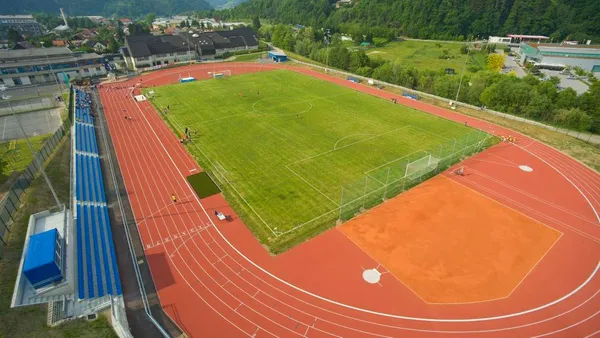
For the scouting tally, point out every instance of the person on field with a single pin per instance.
(173, 198)
(460, 171)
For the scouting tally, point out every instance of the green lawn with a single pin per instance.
(425, 55)
(284, 149)
(20, 157)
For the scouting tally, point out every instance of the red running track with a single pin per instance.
(215, 280)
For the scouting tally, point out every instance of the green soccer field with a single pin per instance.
(294, 154)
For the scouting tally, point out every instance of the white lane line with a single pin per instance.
(516, 314)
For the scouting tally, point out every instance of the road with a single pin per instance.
(35, 123)
(511, 64)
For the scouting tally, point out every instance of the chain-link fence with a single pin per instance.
(27, 105)
(402, 174)
(11, 201)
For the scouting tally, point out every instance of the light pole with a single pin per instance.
(327, 42)
(50, 66)
(36, 159)
(463, 73)
(187, 36)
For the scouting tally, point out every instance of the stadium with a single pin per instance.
(267, 200)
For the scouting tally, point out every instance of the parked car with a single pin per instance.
(5, 97)
(2, 88)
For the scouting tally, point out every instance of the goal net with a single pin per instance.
(421, 166)
(219, 74)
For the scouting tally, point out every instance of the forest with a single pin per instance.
(437, 19)
(530, 97)
(107, 8)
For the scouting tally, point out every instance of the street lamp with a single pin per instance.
(187, 36)
(327, 38)
(463, 73)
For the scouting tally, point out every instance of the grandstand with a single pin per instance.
(69, 257)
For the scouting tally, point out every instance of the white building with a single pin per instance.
(41, 65)
(499, 39)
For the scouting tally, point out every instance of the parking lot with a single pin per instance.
(567, 81)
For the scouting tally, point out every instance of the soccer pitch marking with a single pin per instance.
(345, 137)
(221, 172)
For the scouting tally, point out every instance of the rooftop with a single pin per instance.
(16, 17)
(520, 36)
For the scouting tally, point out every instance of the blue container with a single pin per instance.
(41, 267)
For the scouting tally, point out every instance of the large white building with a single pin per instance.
(46, 65)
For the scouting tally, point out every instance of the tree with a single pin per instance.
(573, 118)
(358, 59)
(150, 19)
(256, 23)
(566, 98)
(13, 37)
(495, 62)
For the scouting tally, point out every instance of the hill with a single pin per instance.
(130, 8)
(439, 19)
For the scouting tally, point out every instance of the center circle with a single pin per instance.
(526, 168)
(371, 276)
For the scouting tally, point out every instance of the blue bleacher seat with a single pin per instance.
(94, 236)
(113, 256)
(81, 286)
(93, 226)
(105, 248)
(88, 252)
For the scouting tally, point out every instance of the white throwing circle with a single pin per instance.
(371, 276)
(526, 168)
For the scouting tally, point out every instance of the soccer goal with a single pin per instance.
(219, 74)
(421, 166)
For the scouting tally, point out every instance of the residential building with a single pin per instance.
(158, 50)
(98, 47)
(46, 65)
(24, 24)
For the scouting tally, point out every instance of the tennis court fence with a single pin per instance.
(10, 203)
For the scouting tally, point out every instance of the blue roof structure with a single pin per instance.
(41, 267)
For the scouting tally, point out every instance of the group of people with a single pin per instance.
(510, 139)
(187, 135)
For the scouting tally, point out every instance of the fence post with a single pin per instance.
(9, 215)
(387, 179)
(365, 191)
(341, 202)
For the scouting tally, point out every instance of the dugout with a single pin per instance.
(277, 56)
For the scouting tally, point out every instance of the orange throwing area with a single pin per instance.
(450, 244)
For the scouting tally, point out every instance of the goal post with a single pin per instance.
(219, 74)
